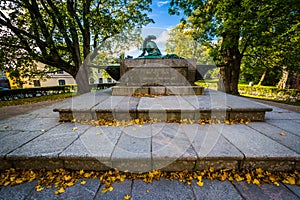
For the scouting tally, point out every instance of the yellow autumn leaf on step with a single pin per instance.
(39, 188)
(137, 121)
(105, 189)
(67, 178)
(83, 182)
(127, 197)
(69, 184)
(289, 180)
(255, 181)
(75, 129)
(61, 190)
(147, 191)
(6, 127)
(200, 183)
(238, 178)
(282, 134)
(248, 178)
(87, 175)
(81, 172)
(276, 183)
(199, 178)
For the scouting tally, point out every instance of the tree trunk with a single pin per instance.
(82, 79)
(231, 62)
(262, 78)
(283, 80)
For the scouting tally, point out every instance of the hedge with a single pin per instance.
(291, 95)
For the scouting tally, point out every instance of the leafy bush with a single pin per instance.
(270, 92)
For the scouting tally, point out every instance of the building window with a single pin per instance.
(60, 72)
(36, 83)
(109, 80)
(100, 80)
(61, 82)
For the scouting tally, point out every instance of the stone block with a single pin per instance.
(86, 164)
(198, 90)
(5, 164)
(37, 163)
(217, 164)
(129, 90)
(157, 90)
(104, 114)
(269, 164)
(251, 115)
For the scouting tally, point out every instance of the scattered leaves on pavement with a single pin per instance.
(141, 122)
(61, 178)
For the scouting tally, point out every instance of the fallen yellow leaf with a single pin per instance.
(39, 188)
(75, 129)
(127, 197)
(61, 190)
(282, 134)
(6, 127)
(83, 182)
(200, 183)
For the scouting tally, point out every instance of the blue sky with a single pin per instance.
(161, 16)
(163, 24)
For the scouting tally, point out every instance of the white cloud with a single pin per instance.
(162, 3)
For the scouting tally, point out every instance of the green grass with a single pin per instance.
(35, 99)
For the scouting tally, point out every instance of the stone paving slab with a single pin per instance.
(288, 139)
(265, 191)
(162, 189)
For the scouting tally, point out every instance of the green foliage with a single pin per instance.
(183, 44)
(289, 95)
(267, 31)
(35, 99)
(62, 34)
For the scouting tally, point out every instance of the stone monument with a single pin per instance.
(154, 74)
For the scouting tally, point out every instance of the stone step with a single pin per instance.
(168, 147)
(211, 105)
(156, 90)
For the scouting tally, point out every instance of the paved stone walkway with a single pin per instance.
(163, 189)
(37, 140)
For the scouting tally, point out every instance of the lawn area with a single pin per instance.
(269, 93)
(35, 99)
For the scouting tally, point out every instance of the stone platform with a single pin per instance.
(38, 140)
(157, 90)
(212, 105)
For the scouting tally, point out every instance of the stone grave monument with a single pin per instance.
(154, 74)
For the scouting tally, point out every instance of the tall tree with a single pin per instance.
(239, 25)
(182, 43)
(62, 33)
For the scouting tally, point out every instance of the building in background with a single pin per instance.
(57, 78)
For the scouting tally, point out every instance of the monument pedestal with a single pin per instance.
(157, 77)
